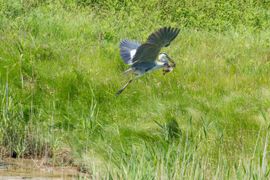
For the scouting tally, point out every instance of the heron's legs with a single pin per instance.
(128, 71)
(123, 88)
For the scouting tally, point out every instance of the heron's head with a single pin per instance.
(165, 59)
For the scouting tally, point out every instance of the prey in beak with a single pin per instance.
(172, 61)
(169, 67)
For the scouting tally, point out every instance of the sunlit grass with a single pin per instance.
(59, 71)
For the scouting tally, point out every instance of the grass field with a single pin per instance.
(208, 119)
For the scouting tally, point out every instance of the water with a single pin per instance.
(35, 170)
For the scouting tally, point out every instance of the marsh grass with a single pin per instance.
(208, 119)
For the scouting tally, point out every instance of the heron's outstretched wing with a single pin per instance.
(128, 49)
(150, 50)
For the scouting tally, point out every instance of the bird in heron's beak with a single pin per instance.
(173, 63)
(168, 67)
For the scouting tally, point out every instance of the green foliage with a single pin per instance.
(210, 15)
(60, 68)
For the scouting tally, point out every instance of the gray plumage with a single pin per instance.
(146, 57)
(150, 50)
(126, 49)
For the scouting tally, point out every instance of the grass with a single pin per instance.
(60, 68)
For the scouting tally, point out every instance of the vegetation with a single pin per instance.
(60, 68)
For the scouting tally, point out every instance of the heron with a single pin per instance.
(146, 57)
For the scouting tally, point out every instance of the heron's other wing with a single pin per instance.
(150, 50)
(128, 50)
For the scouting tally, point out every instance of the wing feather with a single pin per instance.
(158, 39)
(128, 50)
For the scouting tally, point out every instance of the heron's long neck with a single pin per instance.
(159, 64)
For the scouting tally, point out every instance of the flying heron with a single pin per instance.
(146, 57)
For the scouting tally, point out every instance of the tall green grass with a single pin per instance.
(60, 68)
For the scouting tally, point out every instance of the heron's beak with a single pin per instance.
(173, 63)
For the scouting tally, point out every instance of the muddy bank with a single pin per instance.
(36, 169)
